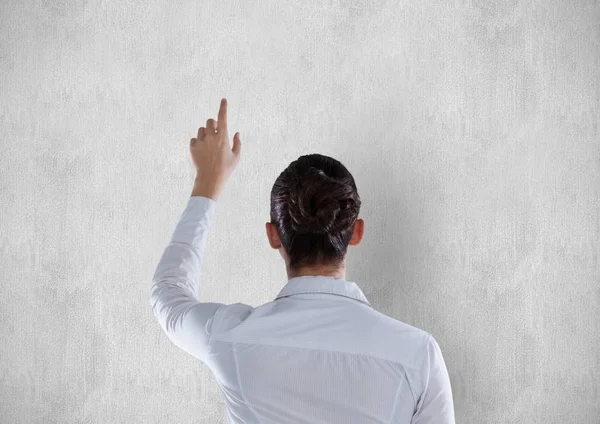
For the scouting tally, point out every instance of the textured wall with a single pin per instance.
(471, 128)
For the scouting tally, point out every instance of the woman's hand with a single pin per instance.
(213, 158)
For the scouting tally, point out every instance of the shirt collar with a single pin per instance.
(322, 284)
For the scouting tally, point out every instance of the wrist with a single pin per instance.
(205, 189)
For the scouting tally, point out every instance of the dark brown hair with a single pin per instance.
(314, 204)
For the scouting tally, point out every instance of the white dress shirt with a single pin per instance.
(318, 353)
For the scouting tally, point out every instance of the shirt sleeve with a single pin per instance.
(435, 404)
(186, 321)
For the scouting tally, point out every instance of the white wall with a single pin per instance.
(471, 129)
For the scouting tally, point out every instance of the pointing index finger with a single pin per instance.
(222, 118)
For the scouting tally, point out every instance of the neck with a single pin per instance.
(329, 272)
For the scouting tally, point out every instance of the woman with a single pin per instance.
(319, 352)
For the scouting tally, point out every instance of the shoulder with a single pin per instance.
(407, 337)
(229, 316)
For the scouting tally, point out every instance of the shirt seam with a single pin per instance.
(323, 350)
(425, 360)
(303, 347)
(398, 394)
(212, 323)
(410, 388)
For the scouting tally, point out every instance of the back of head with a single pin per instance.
(314, 205)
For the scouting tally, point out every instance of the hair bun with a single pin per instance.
(320, 204)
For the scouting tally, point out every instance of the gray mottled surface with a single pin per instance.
(471, 129)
